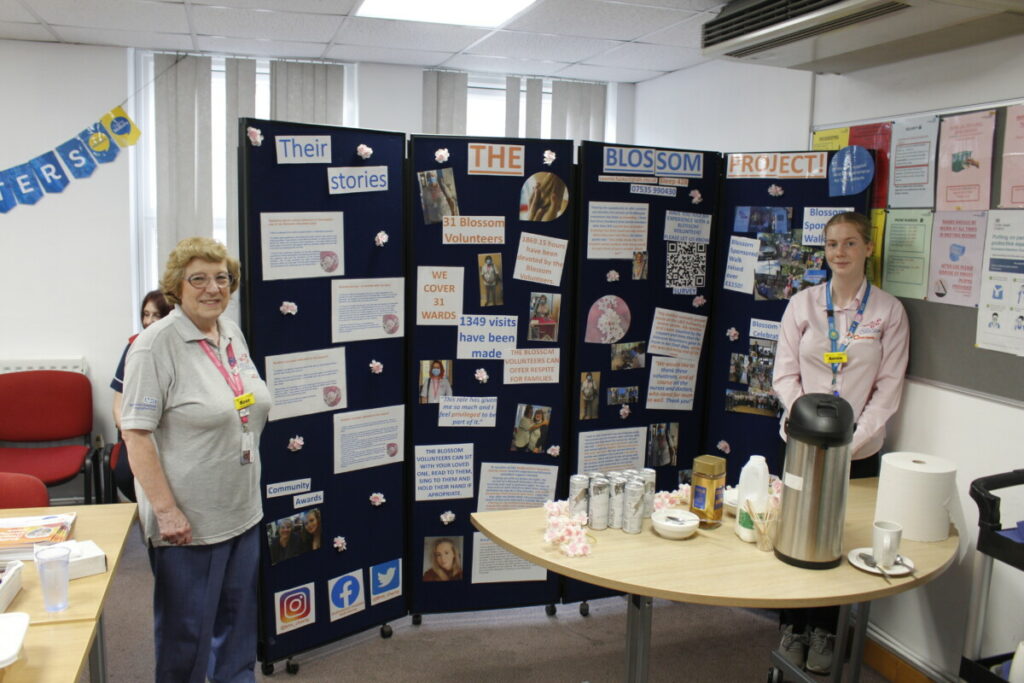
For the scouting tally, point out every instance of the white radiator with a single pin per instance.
(74, 364)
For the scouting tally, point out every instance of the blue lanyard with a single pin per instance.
(833, 335)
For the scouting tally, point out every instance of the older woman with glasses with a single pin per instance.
(194, 406)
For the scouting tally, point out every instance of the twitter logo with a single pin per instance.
(385, 577)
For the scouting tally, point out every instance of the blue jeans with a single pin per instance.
(204, 610)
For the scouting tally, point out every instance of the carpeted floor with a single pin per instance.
(689, 643)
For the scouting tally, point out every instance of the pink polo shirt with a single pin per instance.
(872, 379)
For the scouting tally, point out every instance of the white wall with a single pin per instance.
(390, 97)
(727, 107)
(65, 262)
(733, 107)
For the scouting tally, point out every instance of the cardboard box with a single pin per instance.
(86, 558)
(10, 583)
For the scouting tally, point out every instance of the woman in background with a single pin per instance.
(843, 314)
(154, 307)
(194, 407)
(435, 385)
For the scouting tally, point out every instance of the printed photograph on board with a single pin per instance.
(590, 395)
(435, 380)
(530, 433)
(545, 310)
(442, 558)
(639, 265)
(629, 355)
(620, 395)
(784, 266)
(662, 444)
(775, 219)
(294, 535)
(608, 320)
(437, 194)
(751, 403)
(492, 293)
(544, 197)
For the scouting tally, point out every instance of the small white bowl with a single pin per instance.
(674, 524)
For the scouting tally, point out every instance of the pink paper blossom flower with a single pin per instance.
(441, 155)
(296, 443)
(724, 446)
(554, 451)
(613, 276)
(376, 367)
(624, 412)
(340, 544)
(447, 517)
(699, 301)
(380, 239)
(377, 499)
(695, 197)
(288, 308)
(565, 530)
(549, 157)
(732, 333)
(364, 152)
(481, 376)
(255, 136)
(775, 191)
(672, 499)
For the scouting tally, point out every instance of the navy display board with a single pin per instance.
(314, 275)
(490, 274)
(769, 212)
(646, 242)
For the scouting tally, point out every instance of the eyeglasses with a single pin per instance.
(202, 280)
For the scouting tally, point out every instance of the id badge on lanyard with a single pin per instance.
(243, 399)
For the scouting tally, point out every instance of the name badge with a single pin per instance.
(248, 447)
(244, 401)
(835, 357)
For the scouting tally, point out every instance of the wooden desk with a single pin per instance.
(107, 526)
(714, 567)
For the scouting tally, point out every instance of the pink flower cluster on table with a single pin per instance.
(288, 308)
(380, 239)
(447, 517)
(672, 499)
(565, 529)
(377, 499)
(255, 136)
(441, 155)
(376, 367)
(481, 376)
(340, 544)
(296, 443)
(364, 152)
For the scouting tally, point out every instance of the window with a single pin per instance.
(485, 105)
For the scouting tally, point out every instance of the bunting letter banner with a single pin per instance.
(24, 183)
(76, 158)
(49, 172)
(121, 127)
(99, 142)
(7, 200)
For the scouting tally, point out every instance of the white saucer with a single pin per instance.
(895, 570)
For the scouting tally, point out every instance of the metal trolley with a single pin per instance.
(992, 545)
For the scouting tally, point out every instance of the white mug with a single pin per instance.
(886, 543)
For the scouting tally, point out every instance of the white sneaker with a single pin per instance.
(793, 646)
(819, 653)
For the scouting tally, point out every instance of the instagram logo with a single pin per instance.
(294, 604)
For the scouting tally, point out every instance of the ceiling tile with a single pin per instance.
(414, 35)
(691, 5)
(140, 39)
(607, 73)
(11, 10)
(241, 23)
(315, 6)
(501, 65)
(641, 56)
(684, 34)
(517, 45)
(260, 48)
(16, 31)
(386, 55)
(595, 19)
(125, 15)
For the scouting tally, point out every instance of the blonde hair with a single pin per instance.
(857, 220)
(190, 248)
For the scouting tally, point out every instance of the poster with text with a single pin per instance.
(1001, 305)
(1011, 187)
(912, 172)
(368, 438)
(513, 486)
(907, 250)
(958, 241)
(370, 308)
(494, 564)
(299, 244)
(608, 450)
(964, 180)
(307, 382)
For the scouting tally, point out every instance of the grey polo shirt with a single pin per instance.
(173, 390)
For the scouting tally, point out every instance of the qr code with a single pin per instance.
(685, 264)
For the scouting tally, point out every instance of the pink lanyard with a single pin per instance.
(233, 379)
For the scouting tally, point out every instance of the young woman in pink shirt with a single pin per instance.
(871, 327)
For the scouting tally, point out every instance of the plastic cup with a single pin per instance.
(52, 564)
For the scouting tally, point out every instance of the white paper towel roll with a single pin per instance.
(915, 490)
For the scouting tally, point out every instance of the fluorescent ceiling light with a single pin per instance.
(489, 13)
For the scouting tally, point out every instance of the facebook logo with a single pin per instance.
(346, 594)
(385, 581)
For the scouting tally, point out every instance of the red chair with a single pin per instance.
(22, 491)
(38, 408)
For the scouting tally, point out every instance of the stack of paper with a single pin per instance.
(18, 535)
